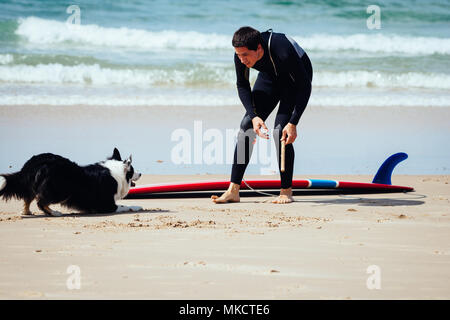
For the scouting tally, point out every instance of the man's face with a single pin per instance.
(249, 57)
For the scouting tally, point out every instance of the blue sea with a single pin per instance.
(178, 53)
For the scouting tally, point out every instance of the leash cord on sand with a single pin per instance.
(260, 192)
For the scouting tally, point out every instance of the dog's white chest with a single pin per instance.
(117, 170)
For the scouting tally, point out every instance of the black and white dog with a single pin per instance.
(52, 179)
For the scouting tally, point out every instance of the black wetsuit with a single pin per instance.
(285, 76)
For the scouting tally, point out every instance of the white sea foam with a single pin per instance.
(377, 43)
(6, 58)
(205, 75)
(185, 98)
(201, 74)
(208, 98)
(363, 79)
(381, 99)
(44, 31)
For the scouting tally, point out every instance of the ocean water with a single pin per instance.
(179, 52)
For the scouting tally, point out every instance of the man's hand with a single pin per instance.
(258, 125)
(290, 130)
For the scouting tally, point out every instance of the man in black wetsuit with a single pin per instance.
(285, 75)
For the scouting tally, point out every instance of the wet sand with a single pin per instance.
(331, 140)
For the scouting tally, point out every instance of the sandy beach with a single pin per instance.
(320, 247)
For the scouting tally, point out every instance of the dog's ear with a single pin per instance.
(128, 161)
(116, 155)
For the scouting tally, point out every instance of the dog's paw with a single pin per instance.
(121, 208)
(56, 213)
(135, 208)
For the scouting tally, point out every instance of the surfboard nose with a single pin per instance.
(384, 173)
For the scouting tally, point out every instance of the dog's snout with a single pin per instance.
(136, 176)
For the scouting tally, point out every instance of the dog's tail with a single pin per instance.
(11, 186)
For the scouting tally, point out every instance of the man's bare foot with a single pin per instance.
(284, 197)
(231, 195)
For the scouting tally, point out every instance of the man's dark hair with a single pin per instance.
(246, 37)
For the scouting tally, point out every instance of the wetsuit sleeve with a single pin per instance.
(302, 81)
(292, 69)
(243, 86)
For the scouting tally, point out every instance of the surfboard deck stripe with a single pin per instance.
(262, 184)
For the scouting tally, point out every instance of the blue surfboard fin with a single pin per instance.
(384, 174)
